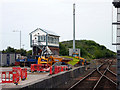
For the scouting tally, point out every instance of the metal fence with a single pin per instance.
(7, 59)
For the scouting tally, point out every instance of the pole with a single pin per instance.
(46, 39)
(0, 58)
(118, 50)
(74, 28)
(116, 3)
(20, 39)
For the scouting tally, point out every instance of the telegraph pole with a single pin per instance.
(116, 4)
(20, 39)
(74, 28)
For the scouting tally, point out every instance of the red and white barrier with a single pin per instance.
(14, 76)
(40, 67)
(57, 69)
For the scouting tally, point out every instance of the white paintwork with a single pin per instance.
(49, 51)
(50, 44)
(118, 18)
(35, 35)
(118, 30)
(118, 10)
(118, 26)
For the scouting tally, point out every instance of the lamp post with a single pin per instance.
(20, 36)
(74, 28)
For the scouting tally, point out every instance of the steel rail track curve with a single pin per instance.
(100, 72)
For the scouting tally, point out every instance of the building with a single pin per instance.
(76, 51)
(40, 38)
(7, 59)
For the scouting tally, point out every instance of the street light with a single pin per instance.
(20, 36)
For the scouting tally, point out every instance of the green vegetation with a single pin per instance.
(89, 49)
(73, 62)
(21, 51)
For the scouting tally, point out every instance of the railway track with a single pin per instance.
(100, 78)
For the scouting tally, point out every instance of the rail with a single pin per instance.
(106, 69)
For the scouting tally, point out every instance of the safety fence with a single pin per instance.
(47, 67)
(40, 67)
(57, 69)
(14, 76)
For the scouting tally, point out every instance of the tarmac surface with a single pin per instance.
(31, 77)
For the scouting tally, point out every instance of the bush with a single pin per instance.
(88, 48)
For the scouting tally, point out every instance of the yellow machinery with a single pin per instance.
(82, 60)
(42, 60)
(76, 55)
(52, 59)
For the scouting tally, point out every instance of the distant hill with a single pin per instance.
(89, 49)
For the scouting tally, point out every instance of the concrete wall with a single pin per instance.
(55, 80)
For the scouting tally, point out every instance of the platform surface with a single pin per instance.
(32, 77)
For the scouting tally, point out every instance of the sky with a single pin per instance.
(93, 20)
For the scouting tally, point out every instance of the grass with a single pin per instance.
(73, 62)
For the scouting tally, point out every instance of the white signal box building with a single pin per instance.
(41, 37)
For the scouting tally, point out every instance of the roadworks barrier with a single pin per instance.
(14, 75)
(54, 80)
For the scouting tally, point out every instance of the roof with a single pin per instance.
(46, 31)
(116, 3)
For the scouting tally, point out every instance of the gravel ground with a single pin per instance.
(93, 64)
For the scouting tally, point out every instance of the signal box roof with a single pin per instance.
(46, 31)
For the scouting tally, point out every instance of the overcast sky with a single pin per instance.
(93, 20)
